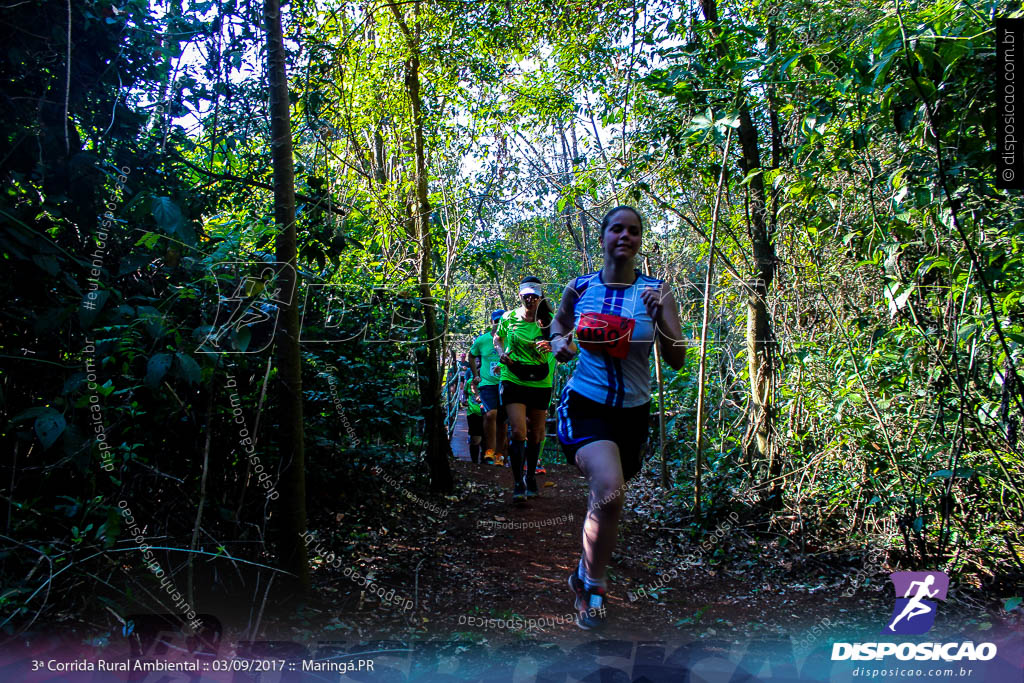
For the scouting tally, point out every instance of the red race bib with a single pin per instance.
(598, 332)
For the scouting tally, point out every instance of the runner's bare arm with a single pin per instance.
(561, 325)
(499, 348)
(663, 310)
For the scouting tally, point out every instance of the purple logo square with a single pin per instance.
(916, 595)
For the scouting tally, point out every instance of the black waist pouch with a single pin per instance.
(528, 372)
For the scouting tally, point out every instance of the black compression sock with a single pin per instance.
(532, 453)
(474, 451)
(515, 452)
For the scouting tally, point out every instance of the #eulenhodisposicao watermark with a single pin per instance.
(390, 597)
(193, 623)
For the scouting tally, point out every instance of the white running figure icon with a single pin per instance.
(245, 295)
(914, 608)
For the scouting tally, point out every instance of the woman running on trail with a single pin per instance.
(526, 375)
(603, 411)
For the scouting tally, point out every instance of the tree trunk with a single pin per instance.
(588, 266)
(438, 447)
(760, 445)
(172, 46)
(568, 173)
(290, 517)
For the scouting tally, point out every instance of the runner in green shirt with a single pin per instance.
(474, 419)
(521, 341)
(486, 367)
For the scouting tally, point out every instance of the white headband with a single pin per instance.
(530, 288)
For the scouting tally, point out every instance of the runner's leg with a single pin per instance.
(535, 437)
(918, 611)
(490, 424)
(501, 432)
(602, 467)
(517, 420)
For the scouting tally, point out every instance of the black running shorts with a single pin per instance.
(582, 421)
(534, 398)
(476, 424)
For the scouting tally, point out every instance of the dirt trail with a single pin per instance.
(468, 563)
(487, 571)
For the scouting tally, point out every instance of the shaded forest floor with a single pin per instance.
(448, 574)
(458, 570)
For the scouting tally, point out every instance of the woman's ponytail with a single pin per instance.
(545, 316)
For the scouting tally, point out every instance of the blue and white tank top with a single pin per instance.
(619, 382)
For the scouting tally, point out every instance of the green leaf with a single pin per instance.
(187, 233)
(966, 331)
(148, 240)
(29, 414)
(49, 426)
(729, 120)
(1012, 604)
(701, 122)
(898, 301)
(188, 368)
(750, 176)
(156, 368)
(961, 473)
(784, 69)
(152, 319)
(92, 304)
(168, 215)
(48, 263)
(242, 338)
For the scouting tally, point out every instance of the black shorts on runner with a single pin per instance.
(488, 397)
(582, 421)
(534, 398)
(475, 424)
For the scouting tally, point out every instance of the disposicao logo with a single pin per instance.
(914, 614)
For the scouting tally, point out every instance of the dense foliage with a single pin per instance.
(867, 270)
